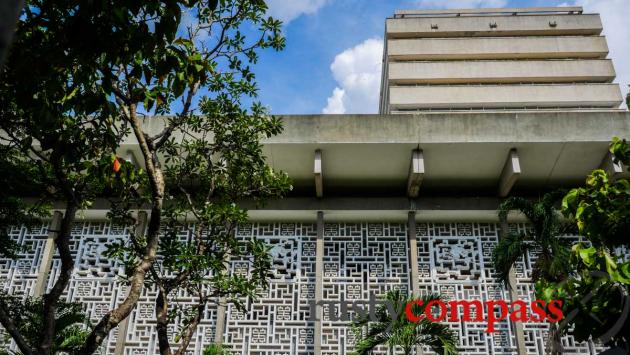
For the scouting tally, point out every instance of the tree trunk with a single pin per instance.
(156, 180)
(8, 325)
(192, 328)
(161, 316)
(555, 341)
(62, 243)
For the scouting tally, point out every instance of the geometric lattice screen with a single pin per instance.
(17, 277)
(359, 259)
(454, 259)
(278, 321)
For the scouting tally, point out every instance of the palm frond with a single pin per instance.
(508, 251)
(439, 337)
(520, 204)
(399, 331)
(367, 345)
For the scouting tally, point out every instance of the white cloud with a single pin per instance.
(615, 14)
(357, 71)
(335, 102)
(288, 10)
(461, 4)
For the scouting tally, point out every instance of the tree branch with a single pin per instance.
(192, 327)
(156, 179)
(161, 317)
(10, 327)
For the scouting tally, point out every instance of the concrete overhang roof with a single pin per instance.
(463, 151)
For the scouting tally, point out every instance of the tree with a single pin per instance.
(595, 298)
(544, 237)
(57, 126)
(80, 77)
(595, 293)
(198, 164)
(546, 227)
(601, 209)
(400, 331)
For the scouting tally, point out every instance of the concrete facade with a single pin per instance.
(542, 57)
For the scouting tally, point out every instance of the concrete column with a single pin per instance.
(413, 260)
(413, 253)
(221, 314)
(47, 256)
(518, 326)
(219, 330)
(123, 327)
(319, 281)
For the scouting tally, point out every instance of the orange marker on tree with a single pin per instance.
(116, 166)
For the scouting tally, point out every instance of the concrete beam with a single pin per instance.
(48, 254)
(614, 170)
(416, 173)
(511, 173)
(317, 171)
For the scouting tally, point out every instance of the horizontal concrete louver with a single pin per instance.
(506, 71)
(496, 59)
(504, 96)
(552, 47)
(493, 26)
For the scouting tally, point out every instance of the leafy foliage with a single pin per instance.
(601, 209)
(595, 292)
(595, 296)
(216, 349)
(71, 326)
(19, 178)
(400, 331)
(201, 161)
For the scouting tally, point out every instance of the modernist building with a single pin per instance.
(476, 105)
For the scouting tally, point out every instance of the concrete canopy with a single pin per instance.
(464, 152)
(370, 154)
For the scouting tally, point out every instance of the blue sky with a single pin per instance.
(332, 60)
